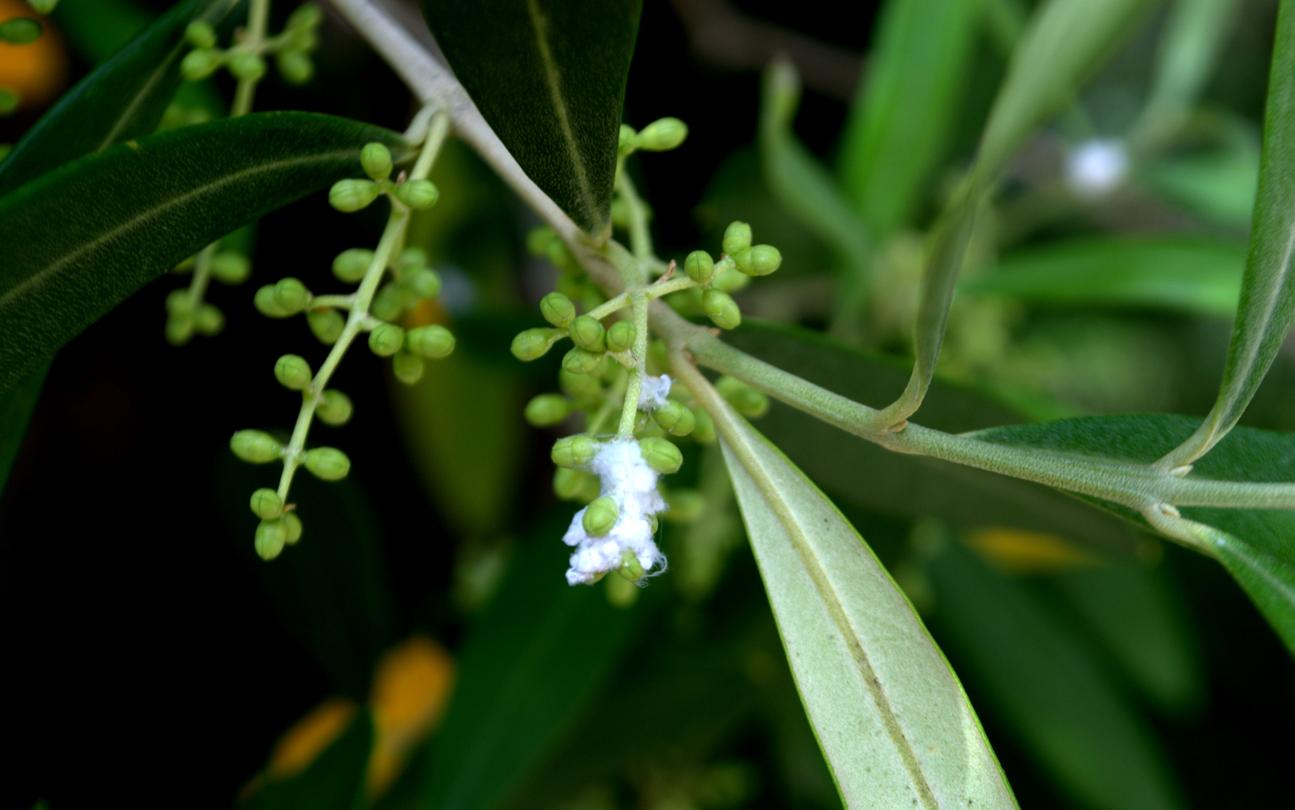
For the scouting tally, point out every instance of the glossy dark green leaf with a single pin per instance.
(82, 238)
(1195, 276)
(335, 780)
(121, 99)
(530, 666)
(1266, 308)
(549, 77)
(1254, 545)
(1039, 679)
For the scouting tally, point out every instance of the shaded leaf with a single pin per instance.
(143, 206)
(549, 77)
(1194, 34)
(16, 406)
(1218, 186)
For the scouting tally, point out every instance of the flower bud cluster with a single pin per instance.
(187, 313)
(245, 59)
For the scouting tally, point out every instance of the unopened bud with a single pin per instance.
(580, 361)
(558, 310)
(327, 463)
(353, 195)
(266, 504)
(407, 367)
(600, 516)
(547, 409)
(246, 67)
(334, 408)
(434, 341)
(375, 158)
(662, 135)
(533, 344)
(574, 451)
(699, 266)
(418, 194)
(760, 260)
(589, 334)
(255, 446)
(199, 34)
(386, 339)
(229, 267)
(271, 535)
(326, 325)
(293, 372)
(721, 309)
(291, 295)
(675, 418)
(661, 455)
(198, 65)
(620, 337)
(737, 238)
(351, 265)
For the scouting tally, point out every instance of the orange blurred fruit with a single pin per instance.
(38, 70)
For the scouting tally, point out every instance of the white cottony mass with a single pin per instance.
(628, 480)
(653, 393)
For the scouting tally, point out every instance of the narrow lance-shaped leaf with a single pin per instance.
(81, 239)
(1065, 41)
(892, 719)
(1267, 304)
(1193, 38)
(549, 77)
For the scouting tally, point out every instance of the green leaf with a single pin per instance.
(1039, 678)
(335, 780)
(20, 31)
(81, 239)
(1218, 186)
(1188, 275)
(1254, 545)
(1193, 38)
(906, 107)
(1267, 305)
(16, 408)
(892, 719)
(121, 99)
(533, 663)
(549, 77)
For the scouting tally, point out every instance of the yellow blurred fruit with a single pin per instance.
(1018, 551)
(36, 71)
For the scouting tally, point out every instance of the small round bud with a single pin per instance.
(721, 309)
(744, 399)
(247, 67)
(351, 265)
(267, 304)
(179, 329)
(376, 160)
(580, 361)
(662, 135)
(229, 267)
(699, 266)
(737, 238)
(326, 325)
(407, 367)
(9, 100)
(291, 525)
(208, 320)
(295, 66)
(432, 341)
(293, 372)
(620, 338)
(353, 195)
(760, 260)
(589, 334)
(418, 194)
(255, 446)
(547, 409)
(675, 419)
(423, 283)
(386, 339)
(729, 280)
(574, 485)
(601, 516)
(533, 344)
(291, 295)
(198, 65)
(574, 451)
(539, 239)
(45, 7)
(579, 386)
(302, 39)
(558, 310)
(200, 34)
(334, 408)
(271, 535)
(266, 504)
(625, 141)
(327, 463)
(661, 455)
(412, 257)
(179, 302)
(705, 430)
(388, 303)
(307, 16)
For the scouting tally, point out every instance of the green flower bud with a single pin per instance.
(268, 305)
(601, 516)
(625, 143)
(307, 16)
(533, 344)
(271, 535)
(661, 455)
(386, 339)
(744, 399)
(327, 463)
(229, 267)
(292, 525)
(200, 34)
(388, 303)
(721, 309)
(560, 255)
(291, 295)
(302, 39)
(547, 409)
(208, 320)
(376, 160)
(589, 334)
(662, 135)
(579, 386)
(737, 238)
(620, 337)
(198, 65)
(699, 266)
(539, 239)
(432, 341)
(351, 265)
(705, 430)
(760, 260)
(574, 451)
(334, 408)
(8, 103)
(558, 310)
(407, 367)
(729, 280)
(326, 325)
(423, 283)
(574, 485)
(255, 446)
(412, 257)
(418, 194)
(295, 66)
(45, 7)
(246, 67)
(675, 419)
(293, 372)
(179, 329)
(353, 195)
(179, 302)
(580, 361)
(266, 504)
